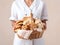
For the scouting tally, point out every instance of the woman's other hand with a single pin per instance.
(44, 24)
(14, 25)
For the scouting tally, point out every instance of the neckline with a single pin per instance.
(30, 5)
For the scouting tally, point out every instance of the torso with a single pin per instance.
(22, 9)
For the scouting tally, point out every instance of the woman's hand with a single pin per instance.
(14, 25)
(44, 24)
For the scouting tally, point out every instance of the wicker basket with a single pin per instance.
(34, 35)
(30, 23)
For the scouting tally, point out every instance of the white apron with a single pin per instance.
(18, 11)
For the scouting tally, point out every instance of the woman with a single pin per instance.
(19, 9)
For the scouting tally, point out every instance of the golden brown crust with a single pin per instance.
(30, 23)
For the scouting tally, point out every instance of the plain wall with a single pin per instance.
(51, 35)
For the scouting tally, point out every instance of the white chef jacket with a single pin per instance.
(18, 11)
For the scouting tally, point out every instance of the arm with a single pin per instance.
(13, 23)
(44, 16)
(13, 18)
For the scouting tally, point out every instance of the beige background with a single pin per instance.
(51, 35)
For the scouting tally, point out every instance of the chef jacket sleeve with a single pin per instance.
(44, 15)
(13, 12)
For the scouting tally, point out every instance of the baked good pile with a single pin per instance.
(32, 24)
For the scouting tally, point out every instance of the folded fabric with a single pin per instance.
(24, 33)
